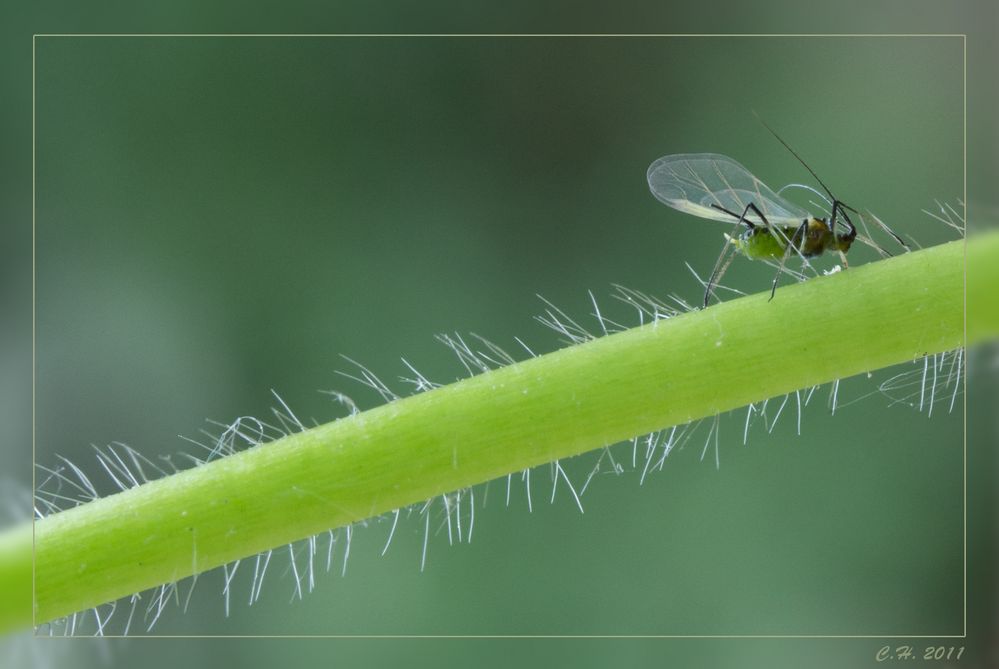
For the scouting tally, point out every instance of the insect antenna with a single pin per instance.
(884, 226)
(800, 159)
(837, 206)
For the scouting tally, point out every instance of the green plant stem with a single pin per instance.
(553, 406)
(15, 577)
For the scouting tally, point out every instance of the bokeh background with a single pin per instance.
(219, 217)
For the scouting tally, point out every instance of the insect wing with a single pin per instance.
(697, 183)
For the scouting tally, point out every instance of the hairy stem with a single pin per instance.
(553, 406)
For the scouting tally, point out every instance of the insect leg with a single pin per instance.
(796, 239)
(720, 266)
(840, 208)
(739, 218)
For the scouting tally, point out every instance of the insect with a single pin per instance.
(713, 186)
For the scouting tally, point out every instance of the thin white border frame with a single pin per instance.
(964, 45)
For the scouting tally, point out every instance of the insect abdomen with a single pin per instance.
(811, 241)
(760, 243)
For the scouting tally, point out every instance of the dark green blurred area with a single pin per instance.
(219, 217)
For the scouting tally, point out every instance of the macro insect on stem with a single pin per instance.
(716, 187)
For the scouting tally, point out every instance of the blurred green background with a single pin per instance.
(219, 217)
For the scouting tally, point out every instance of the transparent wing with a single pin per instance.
(693, 182)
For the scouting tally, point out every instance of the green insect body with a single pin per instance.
(715, 187)
(811, 240)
